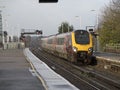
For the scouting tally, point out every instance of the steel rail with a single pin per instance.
(61, 67)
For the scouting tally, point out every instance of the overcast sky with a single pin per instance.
(29, 14)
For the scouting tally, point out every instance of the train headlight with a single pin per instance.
(74, 49)
(90, 49)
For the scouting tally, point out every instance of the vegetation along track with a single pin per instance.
(81, 76)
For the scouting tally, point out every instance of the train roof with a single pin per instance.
(63, 34)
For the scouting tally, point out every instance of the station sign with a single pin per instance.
(48, 1)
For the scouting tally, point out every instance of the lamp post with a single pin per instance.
(97, 18)
(96, 37)
(68, 28)
(62, 27)
(80, 20)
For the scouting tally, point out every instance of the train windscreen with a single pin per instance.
(82, 37)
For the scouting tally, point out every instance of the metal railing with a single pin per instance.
(112, 48)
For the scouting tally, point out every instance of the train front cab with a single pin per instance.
(82, 46)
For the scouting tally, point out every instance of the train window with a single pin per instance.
(82, 37)
(50, 41)
(69, 40)
(60, 41)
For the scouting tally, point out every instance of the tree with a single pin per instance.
(65, 27)
(110, 24)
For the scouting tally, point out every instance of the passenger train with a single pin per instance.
(75, 46)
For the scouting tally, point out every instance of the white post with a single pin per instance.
(18, 32)
(68, 28)
(3, 39)
(62, 27)
(97, 23)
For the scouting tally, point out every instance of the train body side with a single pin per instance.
(61, 45)
(48, 44)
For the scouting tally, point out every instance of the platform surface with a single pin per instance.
(15, 72)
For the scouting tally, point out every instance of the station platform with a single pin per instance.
(15, 72)
(112, 57)
(22, 70)
(50, 79)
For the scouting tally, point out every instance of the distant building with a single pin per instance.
(1, 29)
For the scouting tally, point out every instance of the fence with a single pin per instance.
(112, 48)
(14, 45)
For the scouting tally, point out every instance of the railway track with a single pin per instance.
(83, 77)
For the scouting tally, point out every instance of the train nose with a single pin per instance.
(81, 55)
(75, 49)
(90, 50)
